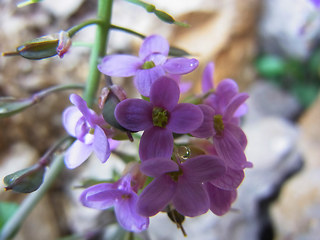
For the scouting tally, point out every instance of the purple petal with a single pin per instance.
(134, 114)
(156, 58)
(113, 144)
(76, 154)
(156, 142)
(230, 150)
(237, 133)
(156, 196)
(154, 44)
(180, 65)
(155, 167)
(316, 3)
(203, 168)
(145, 77)
(185, 118)
(70, 117)
(101, 196)
(190, 199)
(185, 87)
(230, 180)
(120, 65)
(83, 108)
(242, 110)
(206, 128)
(207, 77)
(127, 216)
(165, 93)
(234, 104)
(220, 200)
(101, 145)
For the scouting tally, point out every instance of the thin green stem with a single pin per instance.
(114, 27)
(99, 50)
(72, 31)
(31, 200)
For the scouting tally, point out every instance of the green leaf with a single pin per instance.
(7, 209)
(271, 66)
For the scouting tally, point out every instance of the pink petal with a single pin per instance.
(100, 196)
(203, 168)
(230, 180)
(155, 167)
(165, 93)
(238, 134)
(83, 108)
(127, 216)
(156, 196)
(185, 118)
(180, 65)
(134, 114)
(144, 79)
(154, 44)
(206, 128)
(70, 117)
(190, 199)
(220, 200)
(234, 104)
(207, 77)
(156, 142)
(230, 150)
(120, 65)
(101, 145)
(76, 154)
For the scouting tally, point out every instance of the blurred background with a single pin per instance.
(271, 48)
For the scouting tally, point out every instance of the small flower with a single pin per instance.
(158, 118)
(151, 64)
(221, 111)
(222, 95)
(85, 125)
(124, 199)
(179, 183)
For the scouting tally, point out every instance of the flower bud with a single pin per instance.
(111, 96)
(26, 180)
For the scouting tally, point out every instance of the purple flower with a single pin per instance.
(223, 94)
(124, 199)
(179, 183)
(151, 64)
(316, 3)
(221, 111)
(158, 118)
(85, 125)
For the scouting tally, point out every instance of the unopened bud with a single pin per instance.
(26, 180)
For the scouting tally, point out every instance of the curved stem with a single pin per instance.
(114, 27)
(72, 31)
(99, 50)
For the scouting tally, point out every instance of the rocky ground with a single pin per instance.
(280, 196)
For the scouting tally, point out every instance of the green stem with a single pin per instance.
(99, 49)
(72, 31)
(31, 200)
(114, 27)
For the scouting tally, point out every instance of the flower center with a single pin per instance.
(218, 124)
(160, 117)
(91, 131)
(175, 175)
(148, 65)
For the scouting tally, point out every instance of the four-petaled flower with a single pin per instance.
(159, 118)
(124, 199)
(151, 64)
(179, 183)
(85, 125)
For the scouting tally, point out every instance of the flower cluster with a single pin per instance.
(206, 179)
